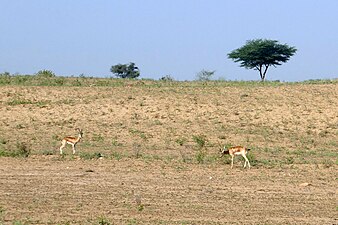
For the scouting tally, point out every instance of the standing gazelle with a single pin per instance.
(71, 140)
(238, 150)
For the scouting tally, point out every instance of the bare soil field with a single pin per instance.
(150, 154)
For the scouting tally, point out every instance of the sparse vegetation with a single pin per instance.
(103, 221)
(21, 149)
(32, 80)
(181, 141)
(200, 140)
(201, 153)
(167, 78)
(91, 155)
(162, 138)
(2, 212)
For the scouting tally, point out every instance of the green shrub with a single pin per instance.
(22, 150)
(167, 78)
(200, 156)
(181, 141)
(103, 221)
(45, 73)
(88, 156)
(200, 140)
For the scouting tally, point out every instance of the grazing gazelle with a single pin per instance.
(238, 150)
(71, 140)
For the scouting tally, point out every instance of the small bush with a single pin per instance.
(60, 81)
(45, 73)
(200, 156)
(181, 141)
(88, 156)
(167, 78)
(140, 207)
(200, 140)
(114, 142)
(97, 137)
(4, 153)
(116, 155)
(47, 152)
(103, 221)
(5, 78)
(22, 149)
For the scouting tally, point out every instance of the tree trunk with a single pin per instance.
(261, 72)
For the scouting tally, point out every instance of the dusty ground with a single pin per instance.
(44, 190)
(139, 161)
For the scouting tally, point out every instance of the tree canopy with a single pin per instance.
(125, 70)
(260, 54)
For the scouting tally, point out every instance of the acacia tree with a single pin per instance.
(125, 70)
(205, 75)
(260, 54)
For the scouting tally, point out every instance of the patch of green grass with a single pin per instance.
(48, 152)
(200, 140)
(328, 163)
(252, 158)
(21, 150)
(14, 102)
(115, 142)
(139, 133)
(181, 141)
(200, 156)
(132, 221)
(289, 160)
(20, 101)
(267, 162)
(90, 155)
(97, 137)
(103, 221)
(116, 155)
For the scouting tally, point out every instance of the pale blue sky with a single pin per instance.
(176, 37)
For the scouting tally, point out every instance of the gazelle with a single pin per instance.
(237, 150)
(71, 140)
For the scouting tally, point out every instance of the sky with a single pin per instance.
(166, 37)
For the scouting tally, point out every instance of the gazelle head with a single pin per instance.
(80, 131)
(223, 150)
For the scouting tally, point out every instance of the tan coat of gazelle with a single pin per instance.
(237, 150)
(71, 140)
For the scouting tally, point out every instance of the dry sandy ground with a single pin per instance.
(149, 172)
(45, 190)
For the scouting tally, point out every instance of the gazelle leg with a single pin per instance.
(246, 161)
(73, 149)
(62, 146)
(232, 161)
